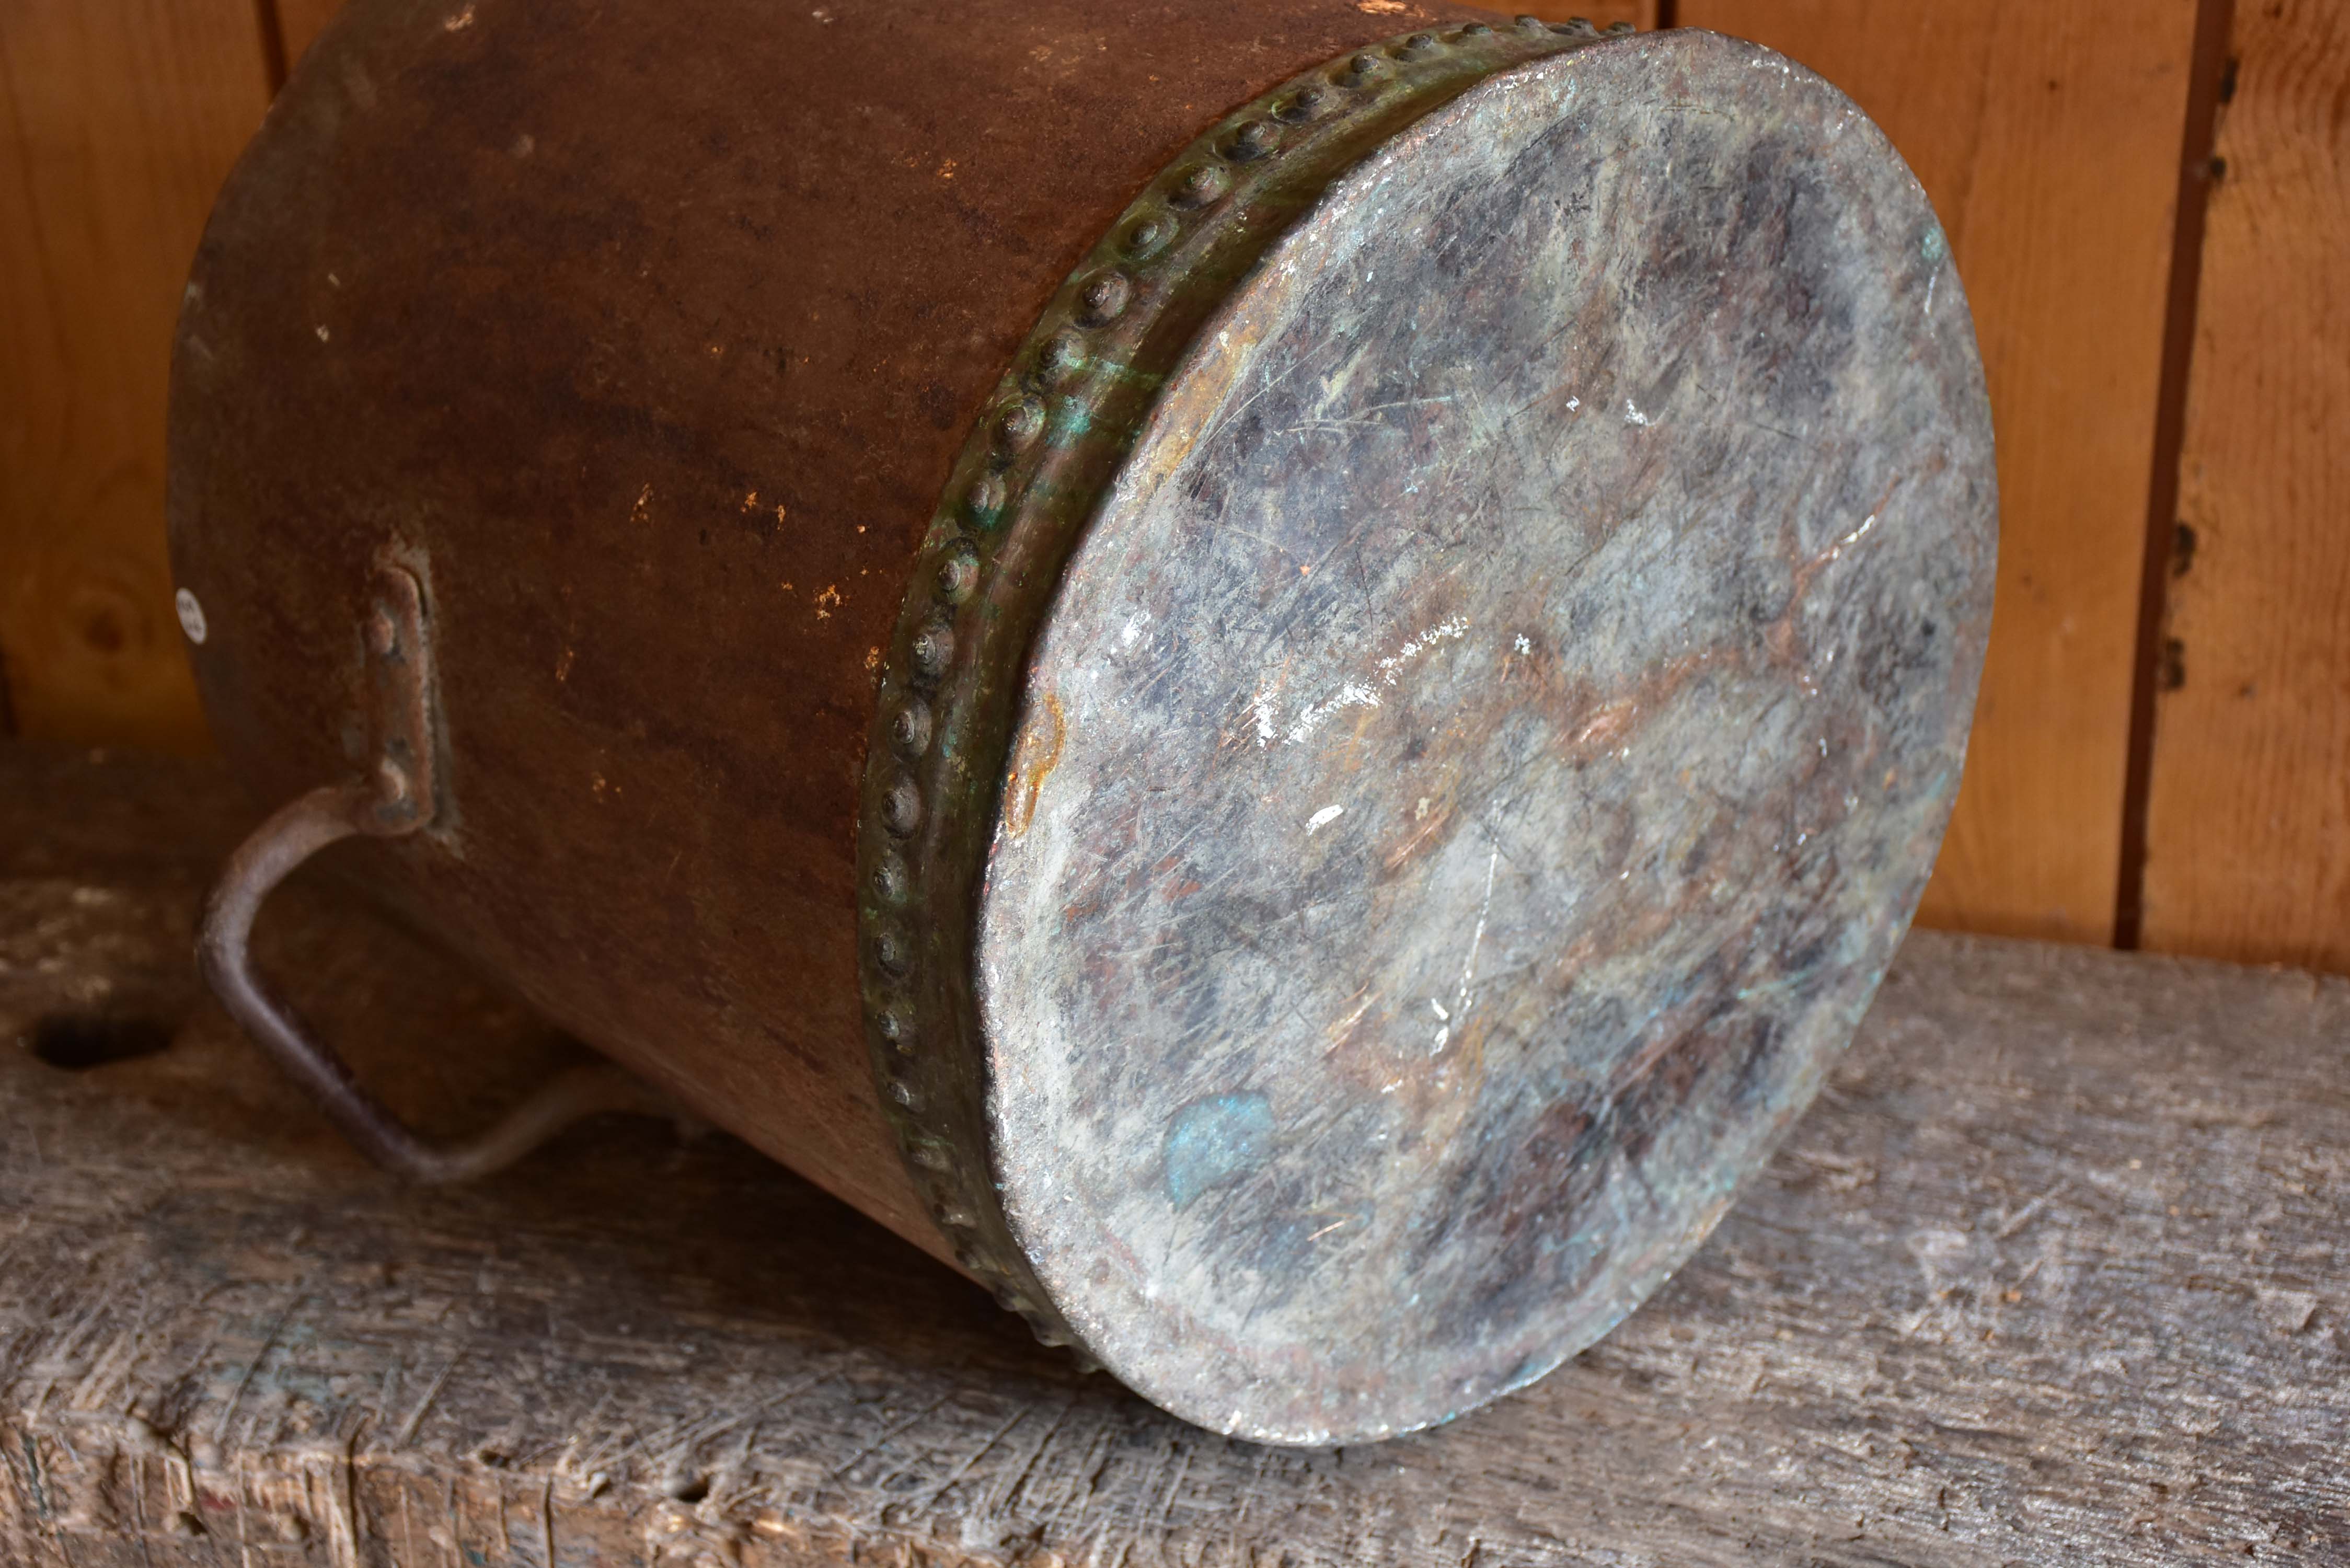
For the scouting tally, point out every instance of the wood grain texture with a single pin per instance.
(117, 120)
(2247, 836)
(2053, 1274)
(2048, 137)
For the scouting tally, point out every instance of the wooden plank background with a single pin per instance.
(120, 119)
(2248, 833)
(2051, 137)
(299, 22)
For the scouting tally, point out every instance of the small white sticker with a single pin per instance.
(191, 615)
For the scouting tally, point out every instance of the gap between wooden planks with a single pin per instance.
(2248, 829)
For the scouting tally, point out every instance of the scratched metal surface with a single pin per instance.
(1068, 410)
(1484, 756)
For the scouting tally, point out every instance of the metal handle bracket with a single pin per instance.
(399, 707)
(400, 795)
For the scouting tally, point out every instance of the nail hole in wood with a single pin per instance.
(75, 1043)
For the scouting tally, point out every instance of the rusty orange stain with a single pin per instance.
(1343, 1031)
(1609, 721)
(1419, 836)
(1040, 753)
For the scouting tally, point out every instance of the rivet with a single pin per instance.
(955, 1218)
(1622, 27)
(383, 632)
(892, 953)
(1010, 1300)
(1047, 1332)
(901, 808)
(1104, 299)
(1533, 25)
(890, 880)
(909, 727)
(904, 1094)
(1418, 45)
(1475, 30)
(1060, 360)
(895, 1031)
(957, 574)
(1150, 236)
(1362, 69)
(970, 1259)
(1019, 425)
(1252, 141)
(391, 781)
(933, 1157)
(1303, 105)
(1573, 24)
(982, 503)
(1200, 186)
(933, 650)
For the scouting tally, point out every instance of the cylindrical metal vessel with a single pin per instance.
(1277, 674)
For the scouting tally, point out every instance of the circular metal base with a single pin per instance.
(1485, 750)
(1052, 440)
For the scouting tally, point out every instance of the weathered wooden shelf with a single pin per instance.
(2057, 1271)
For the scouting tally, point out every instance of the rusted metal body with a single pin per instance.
(1276, 675)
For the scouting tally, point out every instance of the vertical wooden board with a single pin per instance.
(2048, 137)
(2248, 828)
(299, 22)
(121, 118)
